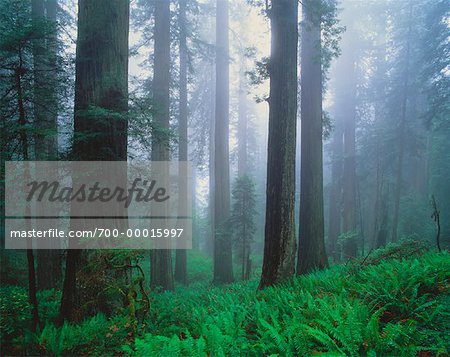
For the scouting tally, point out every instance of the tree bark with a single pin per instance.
(161, 259)
(209, 246)
(401, 132)
(380, 214)
(25, 155)
(49, 270)
(348, 107)
(181, 254)
(279, 243)
(242, 119)
(223, 266)
(101, 81)
(334, 229)
(311, 249)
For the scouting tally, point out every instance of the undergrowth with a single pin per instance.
(392, 306)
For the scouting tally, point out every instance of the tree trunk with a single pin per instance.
(40, 85)
(401, 132)
(311, 249)
(161, 259)
(380, 206)
(101, 80)
(334, 229)
(382, 232)
(349, 174)
(242, 120)
(49, 262)
(279, 243)
(223, 266)
(195, 224)
(24, 143)
(378, 191)
(209, 246)
(181, 257)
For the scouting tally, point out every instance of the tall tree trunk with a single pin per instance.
(161, 259)
(101, 80)
(209, 246)
(181, 257)
(378, 192)
(382, 232)
(223, 264)
(49, 262)
(349, 174)
(311, 249)
(52, 53)
(195, 223)
(380, 216)
(401, 131)
(242, 120)
(279, 243)
(39, 76)
(24, 143)
(334, 229)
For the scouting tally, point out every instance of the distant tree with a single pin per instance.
(161, 259)
(242, 126)
(335, 196)
(435, 63)
(223, 264)
(311, 248)
(29, 89)
(394, 138)
(345, 102)
(374, 159)
(242, 220)
(45, 49)
(23, 33)
(402, 125)
(279, 243)
(181, 257)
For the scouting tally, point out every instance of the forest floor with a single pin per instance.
(383, 304)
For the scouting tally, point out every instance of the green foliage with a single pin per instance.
(98, 336)
(244, 201)
(49, 302)
(387, 308)
(408, 248)
(13, 268)
(394, 302)
(103, 282)
(243, 212)
(325, 14)
(15, 312)
(19, 35)
(347, 236)
(415, 217)
(200, 267)
(435, 63)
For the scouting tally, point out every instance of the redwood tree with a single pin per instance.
(181, 257)
(345, 102)
(101, 82)
(223, 267)
(334, 222)
(161, 259)
(311, 249)
(45, 118)
(279, 243)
